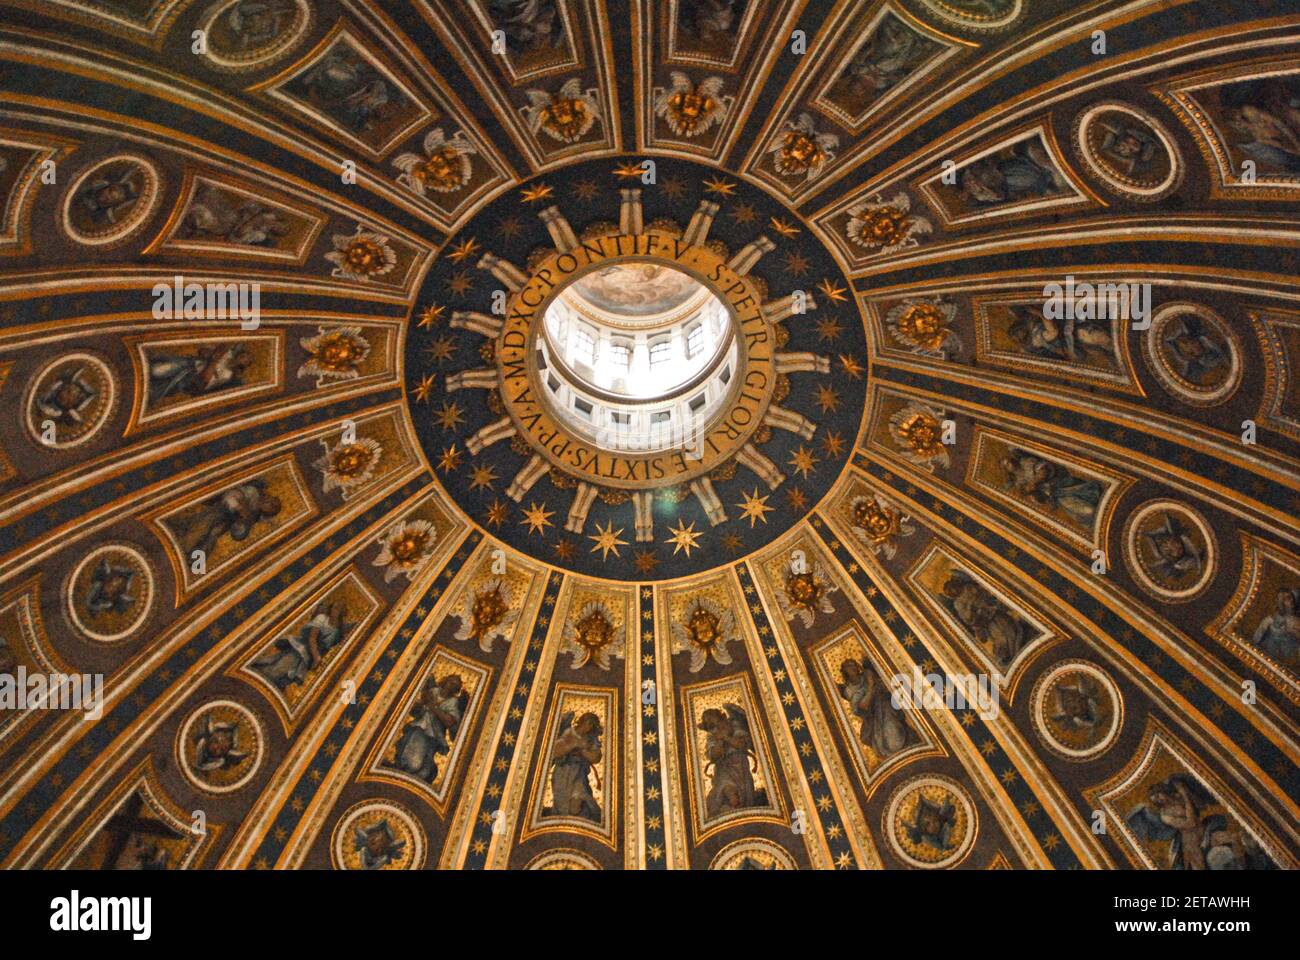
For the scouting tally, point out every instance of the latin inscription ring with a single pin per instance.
(706, 445)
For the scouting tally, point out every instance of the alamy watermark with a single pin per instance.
(76, 913)
(1081, 300)
(179, 300)
(675, 435)
(946, 691)
(21, 690)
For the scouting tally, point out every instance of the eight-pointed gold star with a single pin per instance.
(451, 415)
(720, 185)
(796, 264)
(803, 462)
(852, 365)
(482, 477)
(497, 512)
(607, 540)
(684, 538)
(450, 459)
(783, 227)
(828, 328)
(464, 250)
(424, 388)
(797, 498)
(430, 315)
(441, 349)
(537, 517)
(538, 191)
(755, 507)
(834, 292)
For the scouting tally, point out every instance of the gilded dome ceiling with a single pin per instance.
(968, 539)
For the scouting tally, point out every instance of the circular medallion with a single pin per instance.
(219, 747)
(1128, 150)
(69, 400)
(110, 593)
(112, 200)
(1170, 550)
(637, 380)
(977, 14)
(1077, 710)
(247, 34)
(753, 854)
(378, 835)
(1193, 353)
(563, 859)
(930, 822)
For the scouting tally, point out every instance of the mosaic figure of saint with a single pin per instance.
(577, 751)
